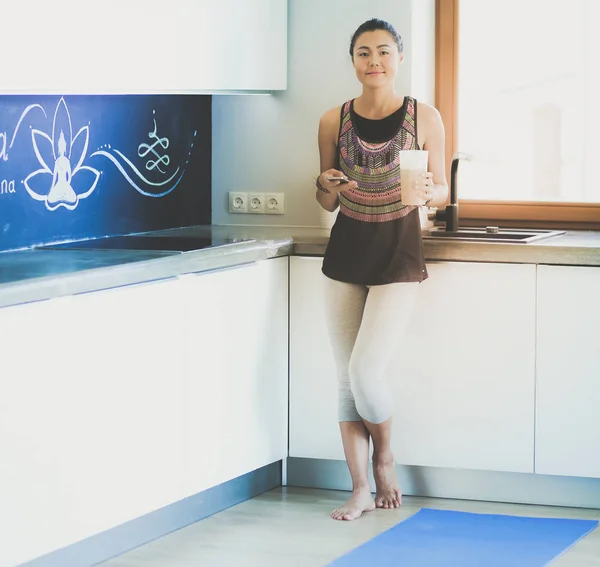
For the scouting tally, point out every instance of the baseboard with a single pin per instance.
(140, 531)
(490, 486)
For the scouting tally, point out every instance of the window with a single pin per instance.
(518, 85)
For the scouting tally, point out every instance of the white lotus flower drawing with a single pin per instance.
(58, 183)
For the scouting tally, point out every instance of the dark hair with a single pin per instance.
(372, 25)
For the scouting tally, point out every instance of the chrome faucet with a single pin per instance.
(450, 214)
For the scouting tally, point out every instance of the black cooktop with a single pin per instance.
(134, 242)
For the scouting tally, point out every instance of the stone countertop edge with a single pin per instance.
(163, 267)
(573, 248)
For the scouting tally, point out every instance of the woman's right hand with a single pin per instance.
(335, 186)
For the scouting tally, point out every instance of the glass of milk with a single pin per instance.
(413, 163)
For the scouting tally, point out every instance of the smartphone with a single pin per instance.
(340, 179)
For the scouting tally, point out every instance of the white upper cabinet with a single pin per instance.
(144, 46)
(568, 372)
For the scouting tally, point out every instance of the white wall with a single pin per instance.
(268, 143)
(423, 51)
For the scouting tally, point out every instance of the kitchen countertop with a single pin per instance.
(35, 275)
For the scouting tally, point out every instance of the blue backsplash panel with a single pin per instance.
(80, 166)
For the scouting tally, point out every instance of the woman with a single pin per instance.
(374, 260)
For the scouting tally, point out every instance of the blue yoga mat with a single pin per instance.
(442, 538)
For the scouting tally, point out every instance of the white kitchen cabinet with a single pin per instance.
(237, 371)
(462, 379)
(144, 46)
(568, 371)
(91, 428)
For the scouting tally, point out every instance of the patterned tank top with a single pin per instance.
(375, 167)
(375, 239)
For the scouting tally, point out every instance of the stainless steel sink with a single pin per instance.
(491, 234)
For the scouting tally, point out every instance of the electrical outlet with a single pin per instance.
(274, 203)
(256, 203)
(238, 202)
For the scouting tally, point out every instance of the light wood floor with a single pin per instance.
(291, 528)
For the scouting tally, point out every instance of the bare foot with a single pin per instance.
(360, 501)
(388, 494)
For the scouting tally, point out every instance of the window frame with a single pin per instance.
(539, 214)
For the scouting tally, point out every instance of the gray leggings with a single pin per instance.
(366, 326)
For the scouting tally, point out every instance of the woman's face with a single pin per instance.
(376, 58)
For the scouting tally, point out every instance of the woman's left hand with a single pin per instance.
(426, 187)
